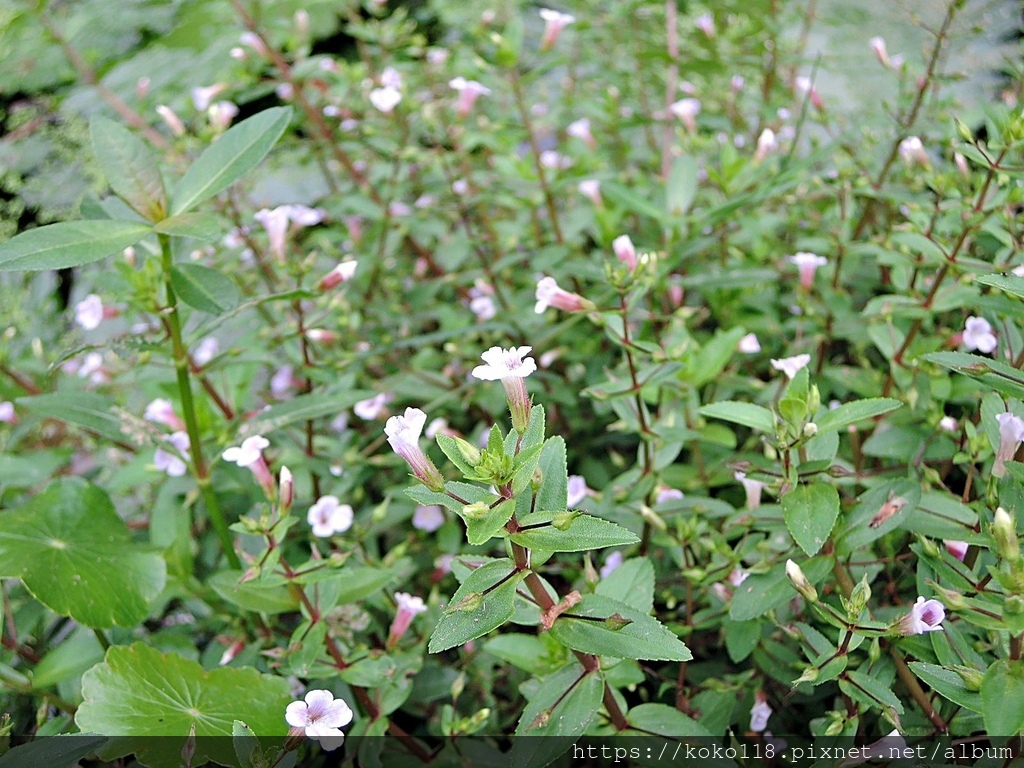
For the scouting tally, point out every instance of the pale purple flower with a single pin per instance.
(385, 99)
(807, 264)
(760, 712)
(254, 41)
(805, 87)
(749, 345)
(276, 223)
(248, 453)
(957, 549)
(372, 407)
(591, 189)
(948, 424)
(469, 91)
(687, 110)
(341, 273)
(576, 491)
(706, 24)
(328, 516)
(460, 187)
(428, 518)
(437, 56)
(320, 717)
(408, 608)
(203, 97)
(912, 152)
(92, 368)
(666, 494)
(580, 129)
(7, 414)
(554, 23)
(752, 488)
(613, 561)
(766, 144)
(161, 411)
(624, 251)
(172, 463)
(550, 295)
(403, 433)
(924, 616)
(220, 114)
(736, 82)
(978, 335)
(481, 302)
(510, 366)
(398, 208)
(554, 160)
(89, 312)
(282, 381)
(1011, 433)
(737, 576)
(790, 365)
(878, 46)
(285, 91)
(206, 350)
(391, 78)
(436, 427)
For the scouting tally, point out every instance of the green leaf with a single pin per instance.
(75, 555)
(229, 158)
(68, 660)
(761, 592)
(204, 289)
(354, 581)
(527, 652)
(631, 583)
(69, 244)
(1002, 693)
(564, 705)
(878, 511)
(245, 743)
(712, 358)
(252, 595)
(851, 413)
(643, 637)
(666, 721)
(810, 512)
(140, 692)
(554, 488)
(869, 690)
(997, 375)
(303, 408)
(583, 534)
(26, 471)
(948, 684)
(63, 751)
(1012, 284)
(485, 601)
(682, 186)
(84, 409)
(747, 414)
(741, 638)
(630, 200)
(480, 530)
(201, 226)
(129, 166)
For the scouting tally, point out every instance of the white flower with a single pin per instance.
(550, 295)
(391, 78)
(957, 549)
(161, 411)
(89, 312)
(591, 189)
(978, 335)
(460, 187)
(948, 424)
(752, 488)
(878, 46)
(580, 129)
(1011, 433)
(404, 431)
(483, 307)
(737, 576)
(706, 24)
(505, 364)
(248, 453)
(371, 408)
(206, 351)
(203, 97)
(666, 494)
(7, 415)
(410, 603)
(576, 491)
(807, 264)
(790, 365)
(328, 516)
(554, 23)
(428, 518)
(749, 344)
(687, 110)
(437, 56)
(924, 616)
(341, 273)
(550, 158)
(613, 561)
(760, 712)
(221, 113)
(766, 144)
(321, 716)
(172, 463)
(469, 91)
(912, 152)
(92, 368)
(385, 99)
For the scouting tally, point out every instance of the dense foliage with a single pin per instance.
(750, 474)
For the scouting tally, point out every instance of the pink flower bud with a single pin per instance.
(624, 251)
(591, 189)
(408, 608)
(1011, 433)
(554, 23)
(469, 91)
(807, 264)
(173, 121)
(550, 295)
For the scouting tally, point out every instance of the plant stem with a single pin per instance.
(549, 199)
(188, 407)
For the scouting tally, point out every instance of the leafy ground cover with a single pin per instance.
(440, 370)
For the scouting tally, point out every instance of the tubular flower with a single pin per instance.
(250, 454)
(554, 23)
(328, 517)
(791, 365)
(550, 295)
(510, 366)
(408, 608)
(1011, 433)
(403, 433)
(624, 251)
(807, 264)
(469, 91)
(978, 335)
(924, 616)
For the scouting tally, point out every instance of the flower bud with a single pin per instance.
(810, 429)
(563, 520)
(1004, 531)
(475, 511)
(800, 582)
(972, 677)
(468, 451)
(652, 517)
(286, 491)
(858, 599)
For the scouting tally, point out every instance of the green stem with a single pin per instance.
(188, 407)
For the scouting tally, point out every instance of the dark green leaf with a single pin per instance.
(480, 530)
(1012, 284)
(303, 408)
(84, 409)
(1002, 693)
(810, 512)
(62, 751)
(948, 684)
(747, 414)
(666, 721)
(762, 592)
(203, 288)
(69, 244)
(851, 413)
(869, 690)
(564, 705)
(201, 226)
(252, 595)
(631, 583)
(583, 534)
(485, 601)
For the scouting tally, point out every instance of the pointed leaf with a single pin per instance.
(485, 601)
(480, 530)
(851, 413)
(69, 244)
(202, 226)
(564, 705)
(553, 493)
(229, 158)
(303, 408)
(682, 186)
(810, 512)
(1002, 693)
(948, 684)
(631, 583)
(747, 414)
(583, 534)
(129, 166)
(203, 288)
(73, 552)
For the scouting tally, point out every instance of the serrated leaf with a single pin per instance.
(869, 690)
(69, 244)
(564, 705)
(947, 684)
(554, 488)
(450, 448)
(851, 413)
(631, 583)
(201, 226)
(75, 555)
(584, 533)
(203, 288)
(643, 637)
(761, 592)
(747, 414)
(129, 166)
(480, 530)
(1002, 693)
(485, 601)
(303, 408)
(140, 692)
(234, 154)
(810, 512)
(252, 595)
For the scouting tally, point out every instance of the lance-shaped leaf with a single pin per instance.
(749, 415)
(130, 167)
(204, 289)
(69, 244)
(485, 601)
